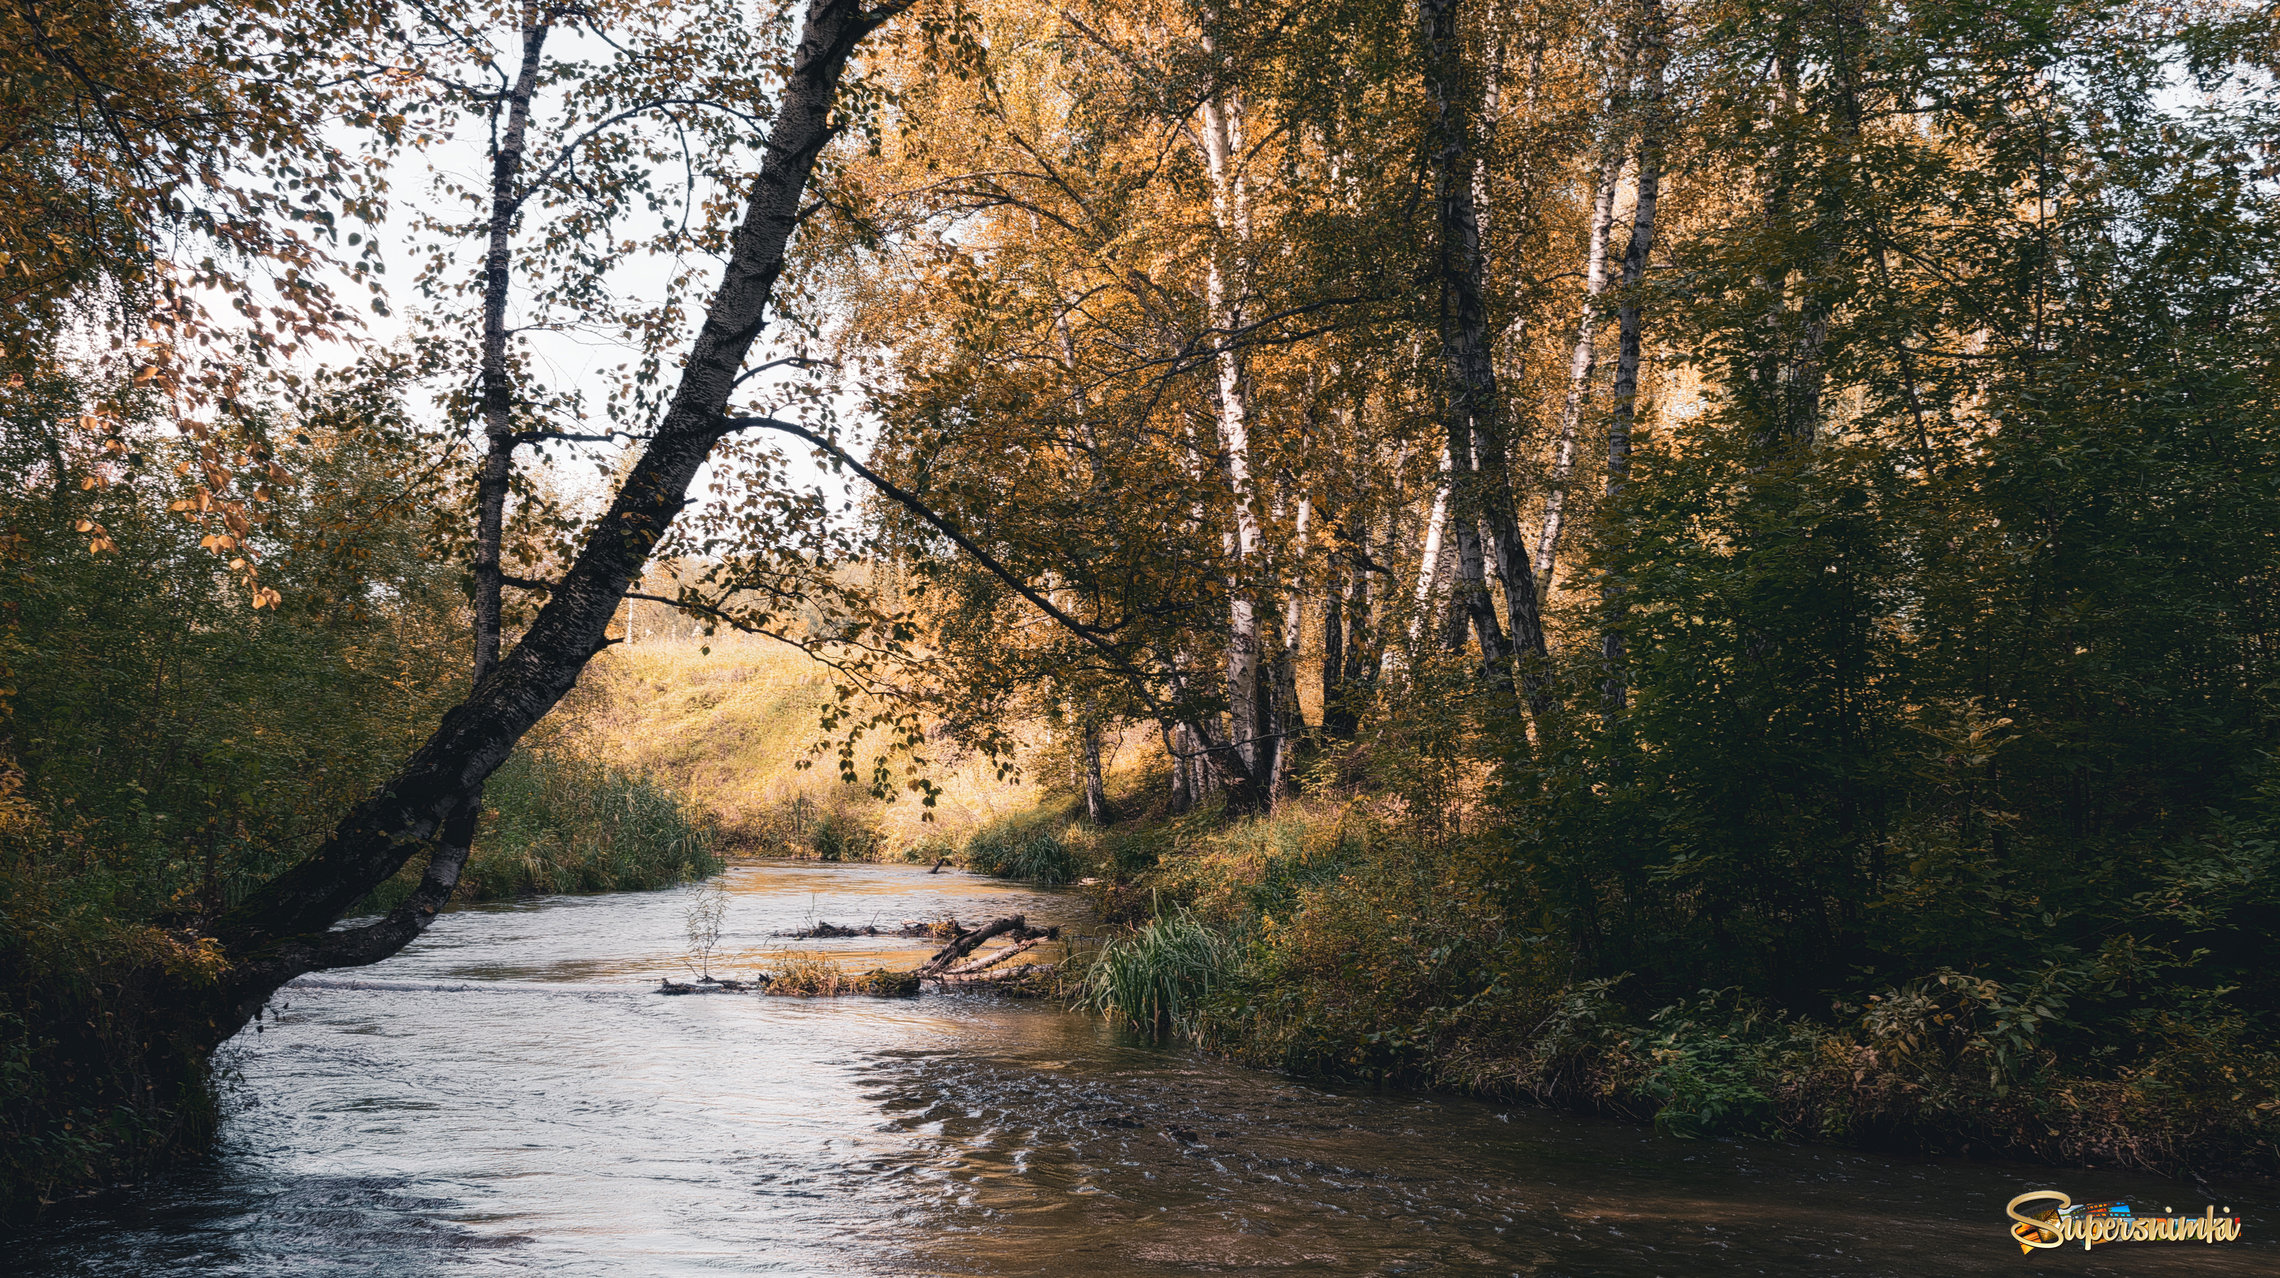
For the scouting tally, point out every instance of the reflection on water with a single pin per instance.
(506, 1097)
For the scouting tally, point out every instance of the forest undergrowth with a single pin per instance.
(1351, 937)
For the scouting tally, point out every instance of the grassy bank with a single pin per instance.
(561, 822)
(1345, 939)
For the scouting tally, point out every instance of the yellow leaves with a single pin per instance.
(263, 596)
(217, 542)
(199, 961)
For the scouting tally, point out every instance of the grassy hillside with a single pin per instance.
(729, 730)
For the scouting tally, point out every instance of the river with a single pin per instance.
(508, 1096)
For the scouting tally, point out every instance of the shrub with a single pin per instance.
(559, 822)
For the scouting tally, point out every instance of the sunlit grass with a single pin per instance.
(802, 974)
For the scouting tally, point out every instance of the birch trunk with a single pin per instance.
(1246, 708)
(1096, 787)
(1429, 569)
(1175, 743)
(1581, 362)
(495, 474)
(1334, 651)
(1361, 642)
(1289, 716)
(1480, 488)
(496, 471)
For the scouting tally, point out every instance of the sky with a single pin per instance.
(562, 361)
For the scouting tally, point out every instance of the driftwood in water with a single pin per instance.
(1017, 980)
(988, 961)
(1014, 928)
(946, 929)
(708, 985)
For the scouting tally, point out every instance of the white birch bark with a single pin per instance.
(1222, 143)
(1581, 362)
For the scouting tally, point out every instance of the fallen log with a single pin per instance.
(709, 985)
(826, 931)
(947, 928)
(967, 943)
(1014, 928)
(1022, 980)
(985, 962)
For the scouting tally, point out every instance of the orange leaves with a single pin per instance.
(98, 540)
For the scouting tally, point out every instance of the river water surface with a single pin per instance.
(508, 1096)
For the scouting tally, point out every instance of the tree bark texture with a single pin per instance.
(1096, 786)
(496, 471)
(1480, 486)
(1247, 708)
(1581, 363)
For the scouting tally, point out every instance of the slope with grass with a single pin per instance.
(733, 726)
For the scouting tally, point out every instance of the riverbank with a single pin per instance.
(98, 1086)
(1331, 942)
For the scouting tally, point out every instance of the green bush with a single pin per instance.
(1038, 858)
(561, 823)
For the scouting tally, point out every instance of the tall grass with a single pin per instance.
(1160, 977)
(1034, 858)
(555, 822)
(1032, 846)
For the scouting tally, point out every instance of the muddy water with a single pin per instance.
(507, 1097)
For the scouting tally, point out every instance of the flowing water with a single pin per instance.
(508, 1096)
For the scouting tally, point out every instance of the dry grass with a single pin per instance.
(807, 975)
(729, 729)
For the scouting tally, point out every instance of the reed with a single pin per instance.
(1159, 978)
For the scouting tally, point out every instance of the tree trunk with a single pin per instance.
(1361, 642)
(1096, 787)
(283, 929)
(1480, 489)
(1580, 365)
(1614, 602)
(495, 474)
(1429, 556)
(1289, 716)
(1334, 713)
(1175, 744)
(1248, 719)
